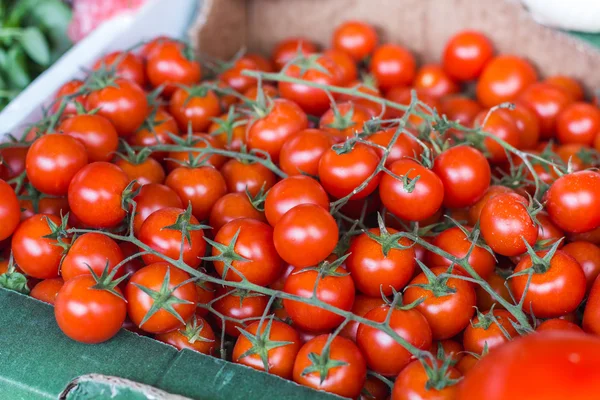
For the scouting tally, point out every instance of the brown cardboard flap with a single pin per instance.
(424, 26)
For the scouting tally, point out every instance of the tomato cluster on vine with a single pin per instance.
(346, 219)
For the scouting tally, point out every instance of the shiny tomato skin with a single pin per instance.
(95, 132)
(288, 49)
(505, 223)
(404, 146)
(177, 159)
(578, 123)
(207, 343)
(568, 84)
(126, 65)
(501, 125)
(194, 112)
(293, 191)
(432, 80)
(460, 108)
(153, 197)
(422, 202)
(588, 256)
(503, 79)
(346, 380)
(383, 354)
(95, 195)
(124, 104)
(337, 291)
(465, 174)
(270, 132)
(528, 124)
(13, 161)
(243, 307)
(169, 66)
(556, 324)
(375, 273)
(362, 305)
(356, 113)
(476, 338)
(231, 207)
(543, 362)
(564, 275)
(47, 290)
(355, 38)
(201, 187)
(466, 54)
(305, 235)
(253, 177)
(155, 131)
(412, 380)
(67, 89)
(347, 67)
(37, 256)
(91, 250)
(52, 161)
(9, 210)
(139, 303)
(302, 152)
(280, 359)
(591, 312)
(88, 315)
(392, 65)
(447, 315)
(547, 102)
(572, 201)
(144, 173)
(155, 234)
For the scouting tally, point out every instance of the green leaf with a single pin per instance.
(16, 68)
(53, 17)
(35, 45)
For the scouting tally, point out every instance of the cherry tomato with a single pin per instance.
(362, 305)
(305, 235)
(588, 256)
(94, 251)
(411, 383)
(194, 107)
(548, 102)
(177, 159)
(344, 120)
(492, 191)
(86, 314)
(9, 210)
(155, 131)
(233, 206)
(460, 109)
(139, 303)
(230, 133)
(301, 152)
(280, 359)
(375, 108)
(578, 123)
(355, 38)
(562, 273)
(52, 161)
(234, 77)
(239, 305)
(348, 69)
(153, 197)
(144, 172)
(13, 161)
(241, 176)
(125, 65)
(374, 389)
(95, 132)
(451, 349)
(199, 337)
(466, 54)
(447, 314)
(65, 94)
(47, 290)
(568, 84)
(392, 65)
(95, 195)
(293, 191)
(528, 124)
(489, 330)
(419, 199)
(501, 125)
(383, 354)
(432, 80)
(346, 380)
(404, 146)
(289, 49)
(159, 232)
(503, 79)
(170, 64)
(556, 324)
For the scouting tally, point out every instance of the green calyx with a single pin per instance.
(14, 280)
(261, 343)
(228, 124)
(193, 331)
(437, 285)
(227, 254)
(385, 239)
(133, 157)
(184, 225)
(59, 232)
(326, 268)
(341, 122)
(106, 281)
(322, 363)
(437, 375)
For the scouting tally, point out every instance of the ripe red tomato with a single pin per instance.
(376, 273)
(465, 174)
(556, 324)
(153, 197)
(362, 305)
(242, 306)
(432, 80)
(38, 256)
(553, 365)
(155, 131)
(346, 380)
(47, 290)
(159, 233)
(492, 191)
(528, 124)
(447, 314)
(404, 146)
(506, 223)
(197, 336)
(9, 210)
(52, 161)
(345, 120)
(229, 132)
(123, 103)
(466, 54)
(501, 125)
(336, 290)
(288, 49)
(588, 256)
(568, 84)
(69, 88)
(193, 108)
(547, 231)
(489, 330)
(416, 201)
(233, 77)
(95, 132)
(503, 79)
(548, 102)
(412, 381)
(392, 65)
(452, 349)
(572, 201)
(591, 313)
(355, 38)
(144, 172)
(383, 354)
(91, 250)
(302, 152)
(348, 69)
(139, 303)
(233, 206)
(460, 109)
(86, 314)
(95, 195)
(241, 176)
(280, 359)
(201, 187)
(293, 191)
(177, 159)
(578, 123)
(270, 131)
(171, 64)
(305, 235)
(563, 274)
(13, 162)
(125, 65)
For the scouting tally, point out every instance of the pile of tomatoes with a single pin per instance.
(345, 219)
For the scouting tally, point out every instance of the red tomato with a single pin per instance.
(412, 383)
(302, 152)
(591, 313)
(375, 108)
(349, 70)
(548, 102)
(9, 210)
(65, 95)
(528, 124)
(344, 120)
(451, 349)
(177, 159)
(160, 233)
(503, 79)
(87, 314)
(432, 80)
(346, 380)
(556, 324)
(501, 125)
(230, 132)
(95, 195)
(47, 290)
(578, 123)
(460, 109)
(506, 223)
(376, 272)
(241, 306)
(52, 161)
(197, 336)
(153, 197)
(305, 235)
(554, 365)
(392, 65)
(233, 206)
(547, 231)
(289, 49)
(498, 285)
(362, 305)
(123, 103)
(125, 65)
(194, 107)
(572, 201)
(588, 256)
(383, 354)
(95, 132)
(280, 359)
(568, 84)
(489, 331)
(355, 38)
(13, 162)
(404, 146)
(465, 174)
(181, 298)
(448, 313)
(91, 251)
(416, 201)
(293, 191)
(466, 54)
(241, 176)
(155, 131)
(144, 172)
(171, 64)
(234, 78)
(562, 273)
